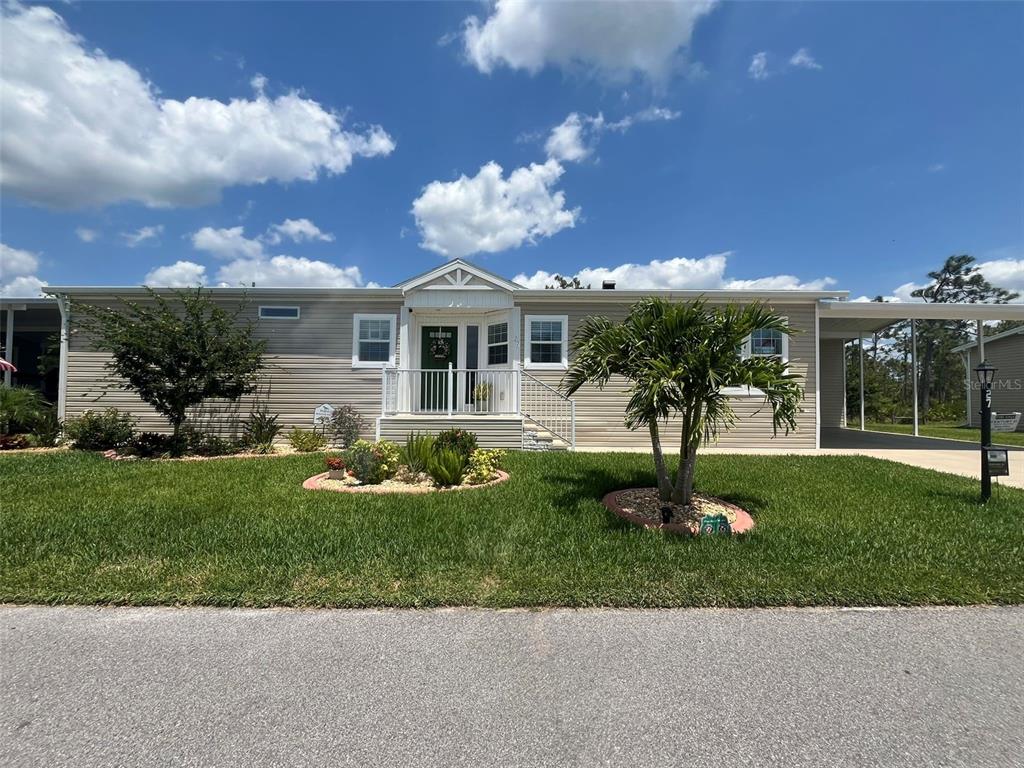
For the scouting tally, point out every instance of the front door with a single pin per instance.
(439, 348)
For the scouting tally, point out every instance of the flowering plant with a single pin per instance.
(335, 463)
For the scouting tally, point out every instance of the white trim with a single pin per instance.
(9, 345)
(356, 362)
(817, 378)
(990, 339)
(459, 282)
(528, 343)
(65, 336)
(298, 312)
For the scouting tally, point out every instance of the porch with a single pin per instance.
(504, 407)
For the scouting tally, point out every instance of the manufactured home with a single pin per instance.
(462, 346)
(1005, 352)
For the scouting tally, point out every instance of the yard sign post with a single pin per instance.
(986, 373)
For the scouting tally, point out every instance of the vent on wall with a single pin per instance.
(608, 285)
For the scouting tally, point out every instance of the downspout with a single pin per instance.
(9, 344)
(65, 335)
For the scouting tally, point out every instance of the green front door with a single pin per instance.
(439, 346)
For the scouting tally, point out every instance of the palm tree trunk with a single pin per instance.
(683, 489)
(664, 486)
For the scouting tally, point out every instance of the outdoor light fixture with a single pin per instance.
(986, 375)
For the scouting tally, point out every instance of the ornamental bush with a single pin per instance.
(95, 431)
(305, 441)
(484, 465)
(372, 463)
(461, 440)
(346, 424)
(447, 467)
(417, 452)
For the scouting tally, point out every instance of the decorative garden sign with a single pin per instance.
(322, 415)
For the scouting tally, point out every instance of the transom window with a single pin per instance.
(279, 313)
(497, 344)
(547, 341)
(373, 340)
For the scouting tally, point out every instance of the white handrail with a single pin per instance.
(549, 408)
(450, 391)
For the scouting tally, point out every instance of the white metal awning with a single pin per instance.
(852, 319)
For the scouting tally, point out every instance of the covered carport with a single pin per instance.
(840, 322)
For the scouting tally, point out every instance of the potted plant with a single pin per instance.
(482, 393)
(336, 468)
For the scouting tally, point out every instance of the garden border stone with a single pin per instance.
(313, 484)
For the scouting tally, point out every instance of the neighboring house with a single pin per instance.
(28, 329)
(461, 346)
(1005, 352)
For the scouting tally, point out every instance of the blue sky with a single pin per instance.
(705, 144)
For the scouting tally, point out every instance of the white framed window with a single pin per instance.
(766, 342)
(763, 342)
(373, 341)
(278, 313)
(497, 344)
(547, 341)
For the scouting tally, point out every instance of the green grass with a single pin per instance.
(949, 430)
(831, 530)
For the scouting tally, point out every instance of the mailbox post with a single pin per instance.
(986, 375)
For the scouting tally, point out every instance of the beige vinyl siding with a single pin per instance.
(1007, 356)
(833, 383)
(308, 362)
(599, 413)
(490, 431)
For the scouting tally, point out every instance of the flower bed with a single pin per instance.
(322, 482)
(641, 506)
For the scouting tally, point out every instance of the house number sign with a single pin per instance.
(322, 415)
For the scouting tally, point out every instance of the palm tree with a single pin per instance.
(678, 359)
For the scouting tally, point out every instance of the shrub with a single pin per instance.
(260, 428)
(46, 430)
(345, 426)
(305, 441)
(956, 411)
(200, 443)
(483, 465)
(459, 440)
(93, 431)
(417, 452)
(372, 463)
(20, 409)
(447, 466)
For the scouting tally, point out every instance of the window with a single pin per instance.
(279, 313)
(497, 344)
(547, 341)
(765, 342)
(373, 341)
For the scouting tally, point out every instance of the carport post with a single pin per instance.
(860, 346)
(913, 366)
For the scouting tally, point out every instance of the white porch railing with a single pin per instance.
(546, 406)
(450, 391)
(499, 391)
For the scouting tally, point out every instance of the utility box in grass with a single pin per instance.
(715, 525)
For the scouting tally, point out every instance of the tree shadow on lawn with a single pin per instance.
(587, 485)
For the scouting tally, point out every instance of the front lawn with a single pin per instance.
(949, 430)
(831, 530)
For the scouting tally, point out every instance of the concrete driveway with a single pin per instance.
(958, 457)
(911, 687)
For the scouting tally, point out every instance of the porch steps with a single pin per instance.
(536, 438)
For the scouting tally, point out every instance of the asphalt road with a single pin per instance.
(118, 686)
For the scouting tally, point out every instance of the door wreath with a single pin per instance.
(440, 349)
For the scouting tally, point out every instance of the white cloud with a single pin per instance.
(758, 68)
(803, 60)
(226, 243)
(613, 40)
(15, 261)
(576, 137)
(84, 129)
(705, 273)
(141, 235)
(1005, 273)
(16, 272)
(180, 274)
(936, 168)
(86, 235)
(288, 271)
(488, 213)
(297, 230)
